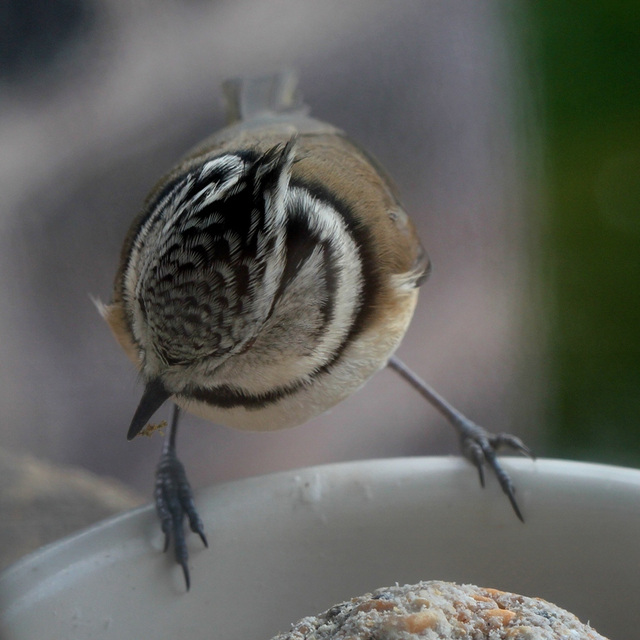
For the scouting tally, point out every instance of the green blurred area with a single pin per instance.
(588, 59)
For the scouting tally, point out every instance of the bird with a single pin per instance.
(267, 277)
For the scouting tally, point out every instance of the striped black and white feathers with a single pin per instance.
(270, 274)
(267, 277)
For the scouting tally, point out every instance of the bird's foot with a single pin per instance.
(481, 447)
(174, 501)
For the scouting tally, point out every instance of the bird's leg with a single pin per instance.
(477, 444)
(174, 499)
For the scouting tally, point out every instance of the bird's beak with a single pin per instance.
(153, 397)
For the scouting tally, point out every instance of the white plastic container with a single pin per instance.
(292, 544)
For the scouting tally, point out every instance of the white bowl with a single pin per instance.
(292, 544)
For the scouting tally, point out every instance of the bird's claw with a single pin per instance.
(481, 447)
(174, 501)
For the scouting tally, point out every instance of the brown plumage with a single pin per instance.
(281, 349)
(267, 277)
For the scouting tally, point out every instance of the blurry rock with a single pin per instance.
(41, 502)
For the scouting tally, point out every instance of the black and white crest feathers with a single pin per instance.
(205, 264)
(248, 283)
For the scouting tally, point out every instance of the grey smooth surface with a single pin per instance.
(294, 543)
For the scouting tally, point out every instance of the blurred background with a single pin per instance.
(511, 128)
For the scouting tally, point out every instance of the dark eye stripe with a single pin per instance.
(301, 242)
(372, 278)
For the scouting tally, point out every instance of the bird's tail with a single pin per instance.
(249, 98)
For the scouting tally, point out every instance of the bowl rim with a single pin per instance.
(136, 518)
